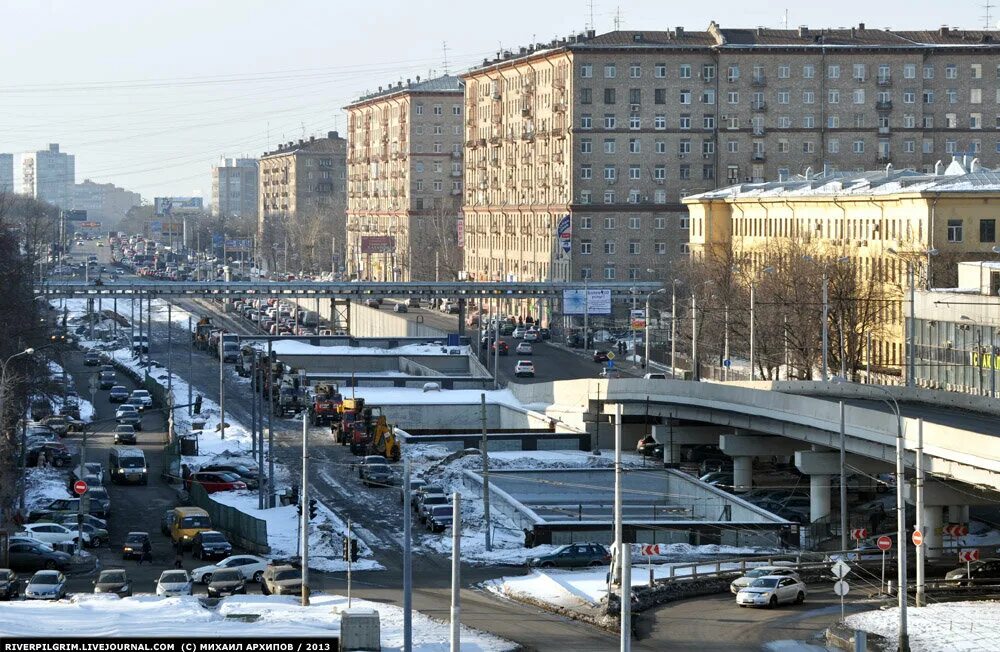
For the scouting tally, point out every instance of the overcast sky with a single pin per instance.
(149, 94)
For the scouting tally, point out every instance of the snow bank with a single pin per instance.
(952, 626)
(417, 396)
(295, 347)
(42, 486)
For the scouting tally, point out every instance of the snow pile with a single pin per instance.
(42, 486)
(102, 615)
(295, 347)
(953, 626)
(417, 396)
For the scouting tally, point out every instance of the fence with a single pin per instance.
(242, 529)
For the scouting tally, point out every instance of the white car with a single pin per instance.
(531, 335)
(173, 583)
(524, 368)
(51, 533)
(772, 590)
(251, 567)
(761, 571)
(524, 348)
(46, 585)
(519, 332)
(144, 396)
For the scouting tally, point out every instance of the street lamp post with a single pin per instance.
(695, 370)
(3, 383)
(648, 297)
(911, 371)
(673, 326)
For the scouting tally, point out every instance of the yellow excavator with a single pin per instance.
(384, 440)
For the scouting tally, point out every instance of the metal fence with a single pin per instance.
(242, 529)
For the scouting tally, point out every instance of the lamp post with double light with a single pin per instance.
(646, 325)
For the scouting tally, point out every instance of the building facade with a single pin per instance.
(235, 188)
(613, 130)
(405, 181)
(882, 222)
(302, 201)
(104, 202)
(48, 175)
(6, 173)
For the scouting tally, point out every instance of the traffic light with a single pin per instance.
(312, 508)
(354, 549)
(197, 404)
(350, 549)
(298, 507)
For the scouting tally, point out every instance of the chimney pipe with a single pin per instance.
(939, 168)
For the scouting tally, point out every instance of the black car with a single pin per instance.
(10, 588)
(118, 394)
(100, 502)
(440, 518)
(225, 582)
(600, 356)
(55, 454)
(30, 555)
(92, 359)
(134, 543)
(106, 379)
(210, 545)
(574, 341)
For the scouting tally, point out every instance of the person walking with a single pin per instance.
(146, 554)
(178, 555)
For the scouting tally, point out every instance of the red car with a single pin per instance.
(600, 356)
(504, 349)
(214, 481)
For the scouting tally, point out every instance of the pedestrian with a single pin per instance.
(146, 554)
(43, 460)
(178, 554)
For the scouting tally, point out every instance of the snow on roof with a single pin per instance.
(294, 347)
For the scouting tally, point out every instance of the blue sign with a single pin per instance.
(565, 233)
(216, 240)
(155, 227)
(727, 363)
(611, 364)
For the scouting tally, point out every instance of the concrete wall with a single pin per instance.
(448, 365)
(369, 322)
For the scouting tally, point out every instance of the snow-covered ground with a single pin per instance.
(417, 396)
(102, 615)
(294, 347)
(952, 626)
(43, 485)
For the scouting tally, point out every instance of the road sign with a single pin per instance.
(80, 487)
(918, 538)
(649, 550)
(840, 587)
(611, 364)
(955, 530)
(840, 569)
(611, 355)
(859, 533)
(884, 543)
(727, 363)
(967, 555)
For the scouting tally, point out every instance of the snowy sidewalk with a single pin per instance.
(952, 626)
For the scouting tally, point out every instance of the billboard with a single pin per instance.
(460, 232)
(594, 301)
(172, 229)
(89, 225)
(565, 234)
(75, 215)
(238, 245)
(638, 319)
(177, 205)
(378, 244)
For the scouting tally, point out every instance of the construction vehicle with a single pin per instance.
(367, 436)
(202, 331)
(244, 362)
(350, 416)
(383, 441)
(326, 403)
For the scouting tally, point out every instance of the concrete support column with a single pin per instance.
(933, 518)
(819, 497)
(672, 454)
(742, 473)
(958, 513)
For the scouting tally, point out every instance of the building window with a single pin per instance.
(684, 171)
(456, 109)
(420, 186)
(685, 97)
(634, 146)
(685, 121)
(809, 121)
(733, 97)
(909, 71)
(586, 121)
(610, 173)
(860, 71)
(833, 146)
(635, 71)
(988, 230)
(975, 121)
(609, 96)
(808, 71)
(585, 197)
(808, 97)
(927, 146)
(909, 97)
(634, 122)
(784, 97)
(928, 71)
(909, 121)
(633, 248)
(609, 146)
(660, 196)
(659, 222)
(660, 146)
(586, 96)
(833, 122)
(586, 222)
(975, 96)
(587, 70)
(928, 97)
(610, 71)
(609, 273)
(708, 147)
(660, 248)
(438, 109)
(954, 230)
(708, 122)
(733, 73)
(420, 109)
(609, 222)
(858, 147)
(633, 273)
(685, 71)
(420, 130)
(684, 147)
(951, 71)
(634, 173)
(733, 146)
(708, 96)
(585, 247)
(858, 96)
(833, 72)
(660, 121)
(784, 122)
(784, 72)
(909, 146)
(659, 96)
(586, 172)
(609, 196)
(952, 96)
(438, 186)
(708, 71)
(609, 121)
(660, 172)
(660, 70)
(708, 172)
(586, 146)
(586, 273)
(833, 96)
(438, 130)
(634, 222)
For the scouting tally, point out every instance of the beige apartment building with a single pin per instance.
(614, 130)
(303, 203)
(405, 181)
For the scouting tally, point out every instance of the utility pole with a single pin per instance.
(456, 571)
(586, 313)
(149, 333)
(270, 431)
(843, 481)
(625, 595)
(673, 327)
(190, 365)
(170, 351)
(304, 493)
(695, 375)
(486, 474)
(259, 434)
(407, 559)
(496, 351)
(616, 570)
(921, 550)
(911, 372)
(350, 558)
(725, 343)
(222, 393)
(826, 335)
(753, 323)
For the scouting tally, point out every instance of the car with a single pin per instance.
(144, 396)
(27, 554)
(519, 332)
(93, 536)
(250, 567)
(368, 459)
(106, 379)
(133, 545)
(429, 501)
(125, 434)
(113, 580)
(118, 394)
(573, 555)
(648, 447)
(55, 454)
(545, 334)
(46, 585)
(372, 303)
(92, 358)
(400, 307)
(225, 582)
(100, 502)
(247, 474)
(376, 475)
(53, 534)
(58, 509)
(173, 583)
(210, 544)
(772, 590)
(600, 355)
(524, 368)
(502, 348)
(721, 479)
(58, 424)
(977, 570)
(167, 521)
(440, 518)
(89, 470)
(212, 481)
(413, 302)
(9, 584)
(420, 493)
(70, 521)
(531, 335)
(129, 414)
(654, 376)
(281, 579)
(415, 484)
(524, 348)
(761, 571)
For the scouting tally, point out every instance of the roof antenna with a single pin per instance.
(590, 25)
(444, 45)
(987, 18)
(618, 18)
(785, 20)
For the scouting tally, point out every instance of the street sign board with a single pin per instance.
(611, 355)
(918, 537)
(884, 543)
(967, 555)
(859, 533)
(593, 301)
(955, 530)
(80, 487)
(727, 363)
(378, 244)
(840, 569)
(840, 587)
(649, 550)
(638, 319)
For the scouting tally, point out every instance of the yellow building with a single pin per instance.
(952, 215)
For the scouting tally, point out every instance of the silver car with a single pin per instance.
(173, 583)
(46, 585)
(770, 591)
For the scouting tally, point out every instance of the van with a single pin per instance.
(189, 521)
(310, 318)
(127, 464)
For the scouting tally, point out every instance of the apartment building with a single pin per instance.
(48, 175)
(104, 202)
(302, 201)
(235, 188)
(6, 173)
(882, 221)
(613, 130)
(405, 181)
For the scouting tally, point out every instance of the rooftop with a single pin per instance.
(445, 84)
(304, 145)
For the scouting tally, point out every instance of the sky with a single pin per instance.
(149, 95)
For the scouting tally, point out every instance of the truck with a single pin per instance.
(289, 399)
(202, 331)
(326, 403)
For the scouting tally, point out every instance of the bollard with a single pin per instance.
(888, 587)
(860, 640)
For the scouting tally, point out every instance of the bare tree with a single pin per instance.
(434, 248)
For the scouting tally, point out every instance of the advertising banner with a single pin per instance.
(638, 319)
(565, 234)
(378, 244)
(177, 205)
(594, 301)
(460, 232)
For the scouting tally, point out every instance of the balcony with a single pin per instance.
(759, 156)
(883, 105)
(883, 130)
(758, 81)
(758, 131)
(884, 81)
(759, 107)
(883, 160)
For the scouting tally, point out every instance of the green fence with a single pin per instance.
(242, 529)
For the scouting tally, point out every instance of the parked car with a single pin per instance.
(133, 545)
(59, 508)
(376, 475)
(654, 376)
(27, 554)
(113, 580)
(210, 544)
(400, 307)
(281, 580)
(426, 490)
(93, 536)
(524, 348)
(100, 502)
(574, 341)
(429, 501)
(174, 583)
(125, 434)
(573, 555)
(70, 521)
(250, 567)
(213, 481)
(53, 534)
(524, 368)
(92, 358)
(226, 582)
(118, 394)
(55, 454)
(415, 484)
(770, 591)
(600, 355)
(761, 571)
(144, 396)
(129, 414)
(247, 474)
(10, 587)
(46, 585)
(89, 470)
(439, 518)
(977, 570)
(57, 423)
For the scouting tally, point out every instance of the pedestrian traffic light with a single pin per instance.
(197, 404)
(345, 555)
(312, 508)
